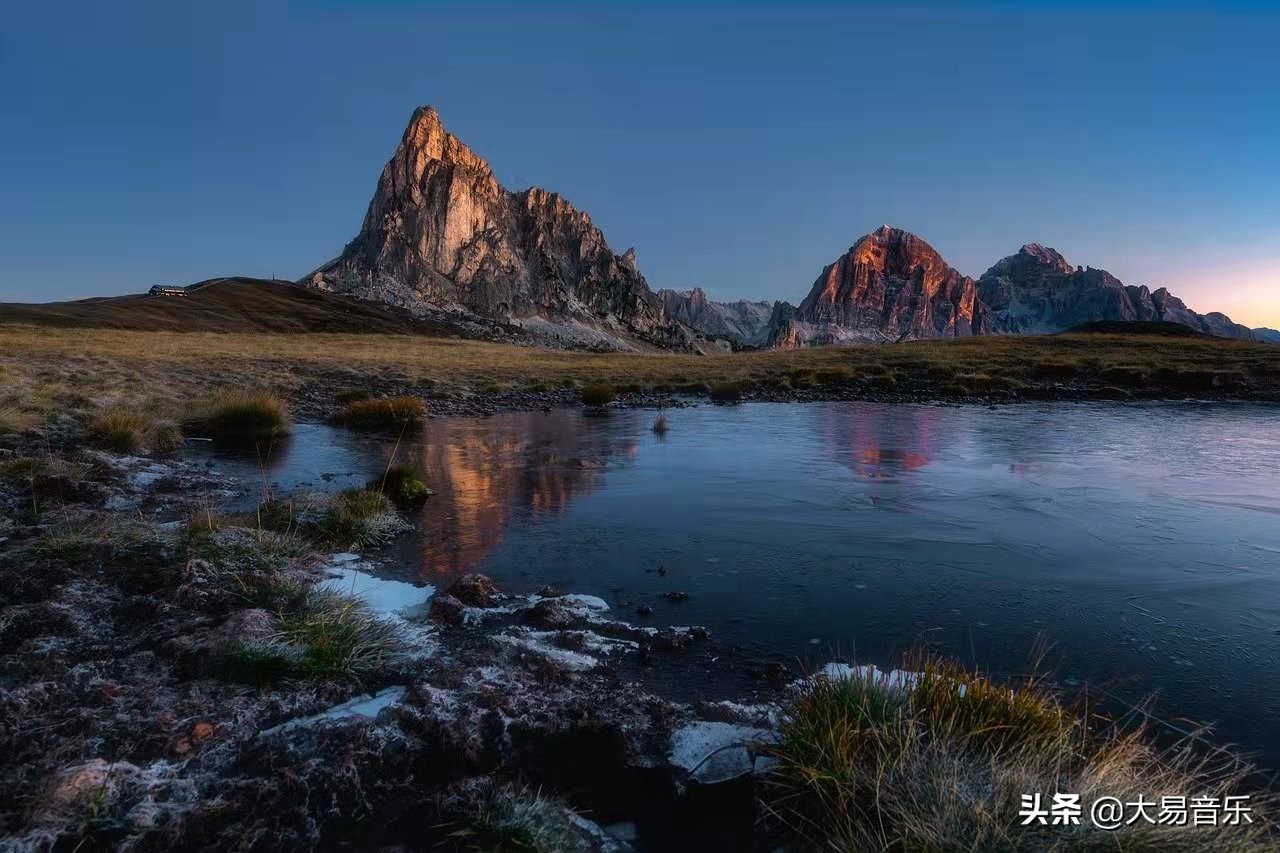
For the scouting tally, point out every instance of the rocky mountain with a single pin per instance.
(1269, 336)
(442, 234)
(889, 286)
(1036, 290)
(741, 322)
(892, 285)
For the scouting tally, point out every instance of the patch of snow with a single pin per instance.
(604, 841)
(897, 679)
(590, 641)
(717, 752)
(588, 603)
(361, 706)
(379, 594)
(564, 658)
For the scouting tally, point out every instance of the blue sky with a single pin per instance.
(739, 147)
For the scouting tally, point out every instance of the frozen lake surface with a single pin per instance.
(1139, 544)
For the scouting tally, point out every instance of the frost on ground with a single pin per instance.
(712, 752)
(174, 677)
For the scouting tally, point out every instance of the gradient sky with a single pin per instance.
(740, 147)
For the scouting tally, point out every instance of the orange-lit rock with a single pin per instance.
(442, 234)
(889, 286)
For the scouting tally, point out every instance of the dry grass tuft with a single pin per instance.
(598, 395)
(128, 430)
(385, 413)
(245, 415)
(943, 764)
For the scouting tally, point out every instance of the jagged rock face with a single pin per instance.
(1036, 290)
(890, 285)
(742, 322)
(785, 331)
(442, 233)
(1269, 336)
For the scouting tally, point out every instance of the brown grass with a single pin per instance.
(127, 430)
(943, 766)
(59, 368)
(385, 412)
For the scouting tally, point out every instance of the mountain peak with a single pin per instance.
(425, 138)
(1045, 255)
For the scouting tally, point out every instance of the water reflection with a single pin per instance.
(485, 473)
(1141, 541)
(880, 443)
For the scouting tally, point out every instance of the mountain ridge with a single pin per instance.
(441, 233)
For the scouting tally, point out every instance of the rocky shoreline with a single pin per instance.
(123, 727)
(316, 399)
(175, 676)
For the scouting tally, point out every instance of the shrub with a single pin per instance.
(885, 382)
(385, 412)
(839, 375)
(351, 395)
(1054, 369)
(940, 372)
(969, 710)
(272, 591)
(403, 484)
(940, 760)
(357, 518)
(337, 637)
(516, 819)
(802, 378)
(598, 395)
(246, 415)
(235, 548)
(983, 383)
(1124, 377)
(278, 514)
(126, 430)
(660, 426)
(259, 664)
(694, 388)
(728, 392)
(13, 420)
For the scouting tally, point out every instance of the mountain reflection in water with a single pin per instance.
(485, 472)
(1140, 541)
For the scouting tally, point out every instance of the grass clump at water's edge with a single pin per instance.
(943, 762)
(598, 395)
(236, 415)
(125, 430)
(357, 518)
(384, 412)
(403, 484)
(728, 392)
(337, 636)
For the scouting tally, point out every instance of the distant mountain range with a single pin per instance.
(442, 235)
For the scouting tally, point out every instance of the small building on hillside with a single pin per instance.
(167, 290)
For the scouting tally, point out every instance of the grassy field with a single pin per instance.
(47, 368)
